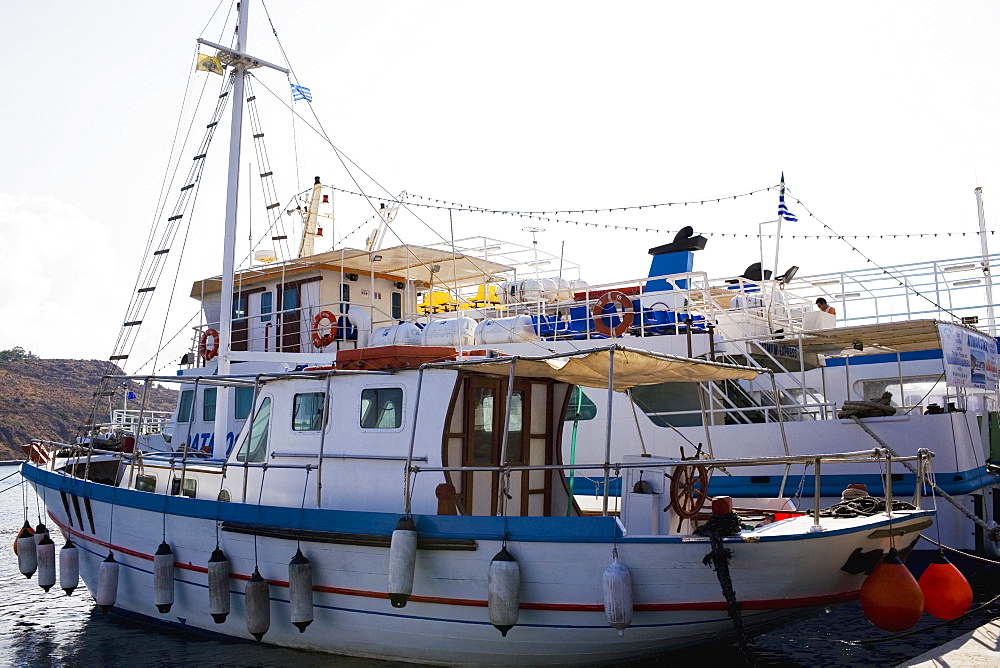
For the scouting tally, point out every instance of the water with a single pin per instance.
(53, 629)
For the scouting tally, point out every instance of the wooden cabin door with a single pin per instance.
(528, 442)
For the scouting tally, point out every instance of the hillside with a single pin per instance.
(51, 399)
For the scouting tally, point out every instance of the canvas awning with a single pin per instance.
(909, 336)
(589, 368)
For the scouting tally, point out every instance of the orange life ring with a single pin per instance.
(319, 340)
(601, 319)
(204, 351)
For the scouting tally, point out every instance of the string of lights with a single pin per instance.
(900, 281)
(445, 205)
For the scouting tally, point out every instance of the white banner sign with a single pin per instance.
(970, 357)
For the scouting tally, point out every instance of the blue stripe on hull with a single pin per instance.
(956, 484)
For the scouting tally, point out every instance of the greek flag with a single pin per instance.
(301, 93)
(783, 212)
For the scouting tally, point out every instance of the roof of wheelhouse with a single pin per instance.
(400, 263)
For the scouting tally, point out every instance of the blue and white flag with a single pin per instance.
(131, 395)
(783, 212)
(301, 93)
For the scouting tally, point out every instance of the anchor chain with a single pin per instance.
(727, 524)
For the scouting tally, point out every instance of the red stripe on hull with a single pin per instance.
(761, 604)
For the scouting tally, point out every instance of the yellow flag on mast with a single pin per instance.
(209, 64)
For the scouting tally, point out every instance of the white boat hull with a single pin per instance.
(776, 572)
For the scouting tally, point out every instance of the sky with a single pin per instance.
(882, 116)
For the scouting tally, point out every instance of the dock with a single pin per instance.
(973, 650)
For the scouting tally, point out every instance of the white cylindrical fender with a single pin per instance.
(46, 552)
(402, 561)
(300, 590)
(218, 586)
(69, 567)
(41, 531)
(27, 555)
(258, 602)
(504, 591)
(107, 583)
(618, 595)
(163, 578)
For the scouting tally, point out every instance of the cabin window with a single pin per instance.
(307, 414)
(488, 398)
(482, 426)
(208, 403)
(345, 297)
(225, 496)
(184, 409)
(241, 326)
(515, 428)
(244, 402)
(145, 483)
(266, 306)
(396, 306)
(239, 307)
(382, 408)
(188, 488)
(580, 406)
(254, 447)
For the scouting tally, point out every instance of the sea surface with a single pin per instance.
(39, 629)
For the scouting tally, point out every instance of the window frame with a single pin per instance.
(185, 407)
(266, 402)
(205, 405)
(401, 419)
(249, 407)
(323, 412)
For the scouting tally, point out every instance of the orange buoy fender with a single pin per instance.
(69, 567)
(890, 597)
(947, 593)
(24, 548)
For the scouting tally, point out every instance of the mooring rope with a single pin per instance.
(992, 532)
(964, 554)
(924, 629)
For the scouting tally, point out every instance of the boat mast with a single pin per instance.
(307, 245)
(241, 64)
(991, 326)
